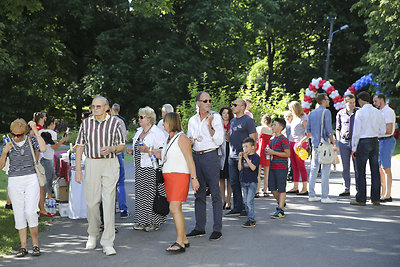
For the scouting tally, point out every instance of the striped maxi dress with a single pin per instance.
(145, 191)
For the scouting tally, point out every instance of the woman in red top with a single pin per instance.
(264, 135)
(227, 116)
(39, 118)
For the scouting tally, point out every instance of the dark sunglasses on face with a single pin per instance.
(142, 117)
(234, 105)
(16, 135)
(205, 101)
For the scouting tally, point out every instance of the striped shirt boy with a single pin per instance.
(279, 144)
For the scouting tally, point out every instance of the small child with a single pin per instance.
(248, 168)
(279, 149)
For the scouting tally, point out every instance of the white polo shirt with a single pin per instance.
(390, 117)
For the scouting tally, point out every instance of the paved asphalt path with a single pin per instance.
(311, 234)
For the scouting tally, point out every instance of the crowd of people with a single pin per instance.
(223, 152)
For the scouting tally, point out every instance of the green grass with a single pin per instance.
(9, 238)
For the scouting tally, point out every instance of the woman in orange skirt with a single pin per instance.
(178, 171)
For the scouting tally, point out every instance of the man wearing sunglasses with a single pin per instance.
(242, 126)
(206, 133)
(101, 137)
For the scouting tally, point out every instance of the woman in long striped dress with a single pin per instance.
(148, 135)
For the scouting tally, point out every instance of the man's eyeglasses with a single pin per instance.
(142, 117)
(205, 101)
(17, 135)
(96, 106)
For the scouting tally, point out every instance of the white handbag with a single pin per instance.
(325, 149)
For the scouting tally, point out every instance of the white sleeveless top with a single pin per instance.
(173, 158)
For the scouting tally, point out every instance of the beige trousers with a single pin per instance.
(101, 176)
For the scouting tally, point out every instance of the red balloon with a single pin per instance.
(330, 89)
(321, 83)
(312, 88)
(308, 99)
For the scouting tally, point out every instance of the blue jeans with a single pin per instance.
(249, 191)
(235, 184)
(345, 154)
(325, 169)
(368, 149)
(121, 184)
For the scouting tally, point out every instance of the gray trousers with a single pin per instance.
(345, 154)
(207, 169)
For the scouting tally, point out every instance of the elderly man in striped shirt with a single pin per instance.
(101, 138)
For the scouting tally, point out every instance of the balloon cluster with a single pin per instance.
(328, 88)
(360, 83)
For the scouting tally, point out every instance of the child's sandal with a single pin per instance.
(35, 251)
(21, 252)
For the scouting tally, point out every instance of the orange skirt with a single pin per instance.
(176, 186)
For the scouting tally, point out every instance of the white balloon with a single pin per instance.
(326, 85)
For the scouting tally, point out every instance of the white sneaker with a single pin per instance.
(314, 199)
(109, 251)
(328, 200)
(91, 242)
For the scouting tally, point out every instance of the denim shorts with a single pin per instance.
(386, 148)
(277, 180)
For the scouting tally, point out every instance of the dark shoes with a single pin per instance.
(376, 203)
(302, 193)
(232, 213)
(8, 207)
(386, 199)
(344, 194)
(243, 214)
(356, 203)
(292, 192)
(35, 251)
(179, 249)
(215, 236)
(249, 224)
(196, 233)
(22, 252)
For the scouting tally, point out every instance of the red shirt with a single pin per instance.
(39, 127)
(279, 144)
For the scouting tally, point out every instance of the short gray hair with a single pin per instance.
(149, 113)
(116, 107)
(168, 108)
(103, 98)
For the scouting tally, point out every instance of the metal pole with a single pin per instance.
(329, 47)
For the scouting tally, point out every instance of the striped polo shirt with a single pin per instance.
(21, 161)
(94, 135)
(279, 144)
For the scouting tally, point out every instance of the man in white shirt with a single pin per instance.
(368, 125)
(166, 108)
(386, 147)
(206, 133)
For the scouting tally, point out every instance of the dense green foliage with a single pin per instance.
(55, 55)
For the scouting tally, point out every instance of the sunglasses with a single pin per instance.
(206, 100)
(234, 105)
(17, 135)
(142, 117)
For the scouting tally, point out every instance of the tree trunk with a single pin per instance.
(270, 61)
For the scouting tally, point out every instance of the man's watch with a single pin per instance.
(194, 178)
(212, 128)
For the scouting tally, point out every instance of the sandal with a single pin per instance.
(21, 252)
(35, 251)
(179, 250)
(257, 195)
(266, 194)
(228, 207)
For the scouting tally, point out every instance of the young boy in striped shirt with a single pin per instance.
(279, 151)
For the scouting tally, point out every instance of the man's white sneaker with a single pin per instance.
(91, 242)
(109, 251)
(314, 199)
(328, 200)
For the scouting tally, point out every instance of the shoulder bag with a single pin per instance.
(325, 149)
(41, 174)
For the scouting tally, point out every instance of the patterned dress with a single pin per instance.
(145, 190)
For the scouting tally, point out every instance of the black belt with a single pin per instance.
(386, 137)
(204, 151)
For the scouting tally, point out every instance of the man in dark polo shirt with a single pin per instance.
(344, 132)
(101, 138)
(242, 126)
